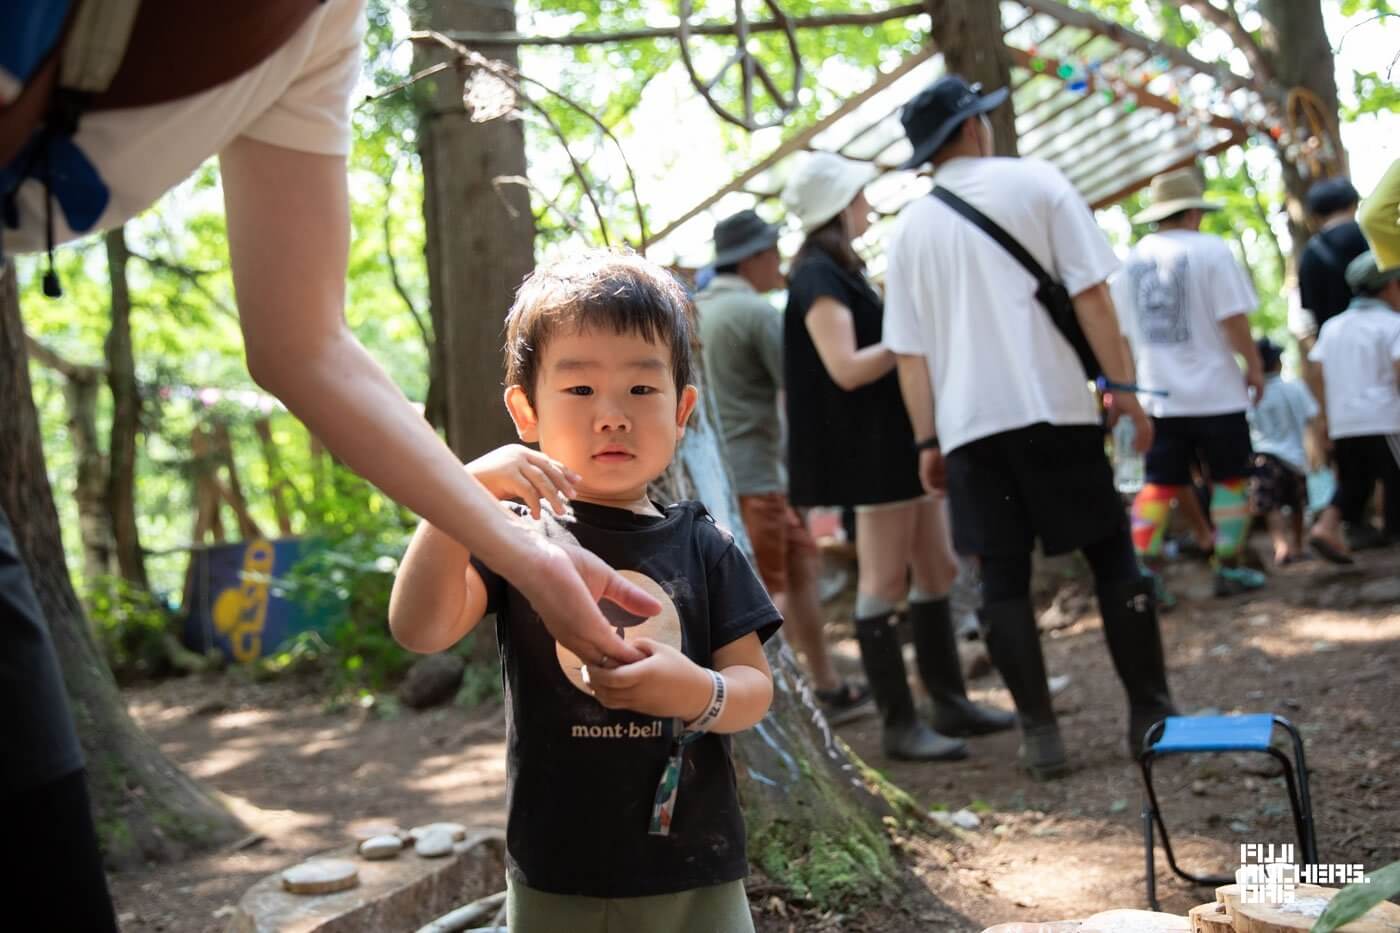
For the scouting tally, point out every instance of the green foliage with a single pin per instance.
(1374, 94)
(1353, 901)
(132, 629)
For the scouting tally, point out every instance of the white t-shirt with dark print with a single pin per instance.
(1175, 288)
(996, 360)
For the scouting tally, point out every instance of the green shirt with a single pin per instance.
(742, 336)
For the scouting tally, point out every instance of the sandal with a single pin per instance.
(1328, 552)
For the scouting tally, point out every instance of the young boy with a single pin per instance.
(1279, 422)
(622, 810)
(1359, 352)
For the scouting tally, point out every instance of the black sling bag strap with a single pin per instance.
(1052, 295)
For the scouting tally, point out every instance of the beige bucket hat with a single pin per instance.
(1173, 192)
(823, 185)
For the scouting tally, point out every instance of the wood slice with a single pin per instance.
(1210, 918)
(1302, 912)
(1136, 921)
(321, 876)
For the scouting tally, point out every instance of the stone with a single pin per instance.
(458, 831)
(321, 876)
(965, 819)
(432, 680)
(435, 843)
(381, 847)
(362, 831)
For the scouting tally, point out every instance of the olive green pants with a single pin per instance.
(723, 908)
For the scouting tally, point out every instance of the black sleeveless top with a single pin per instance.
(844, 448)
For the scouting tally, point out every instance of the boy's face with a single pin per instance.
(607, 407)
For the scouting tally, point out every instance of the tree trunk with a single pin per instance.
(813, 810)
(90, 488)
(145, 808)
(480, 236)
(1298, 50)
(968, 33)
(126, 419)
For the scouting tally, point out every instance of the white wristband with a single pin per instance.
(714, 710)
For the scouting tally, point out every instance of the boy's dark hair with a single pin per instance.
(599, 290)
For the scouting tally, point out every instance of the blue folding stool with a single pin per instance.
(1248, 733)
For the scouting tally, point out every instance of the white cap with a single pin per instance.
(823, 186)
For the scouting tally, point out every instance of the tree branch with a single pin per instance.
(701, 29)
(194, 276)
(1228, 21)
(393, 264)
(47, 356)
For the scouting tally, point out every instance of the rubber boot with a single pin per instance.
(937, 649)
(1013, 642)
(904, 736)
(1135, 644)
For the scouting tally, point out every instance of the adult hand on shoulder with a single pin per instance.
(564, 583)
(664, 683)
(933, 471)
(519, 472)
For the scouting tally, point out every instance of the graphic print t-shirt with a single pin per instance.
(1174, 290)
(581, 777)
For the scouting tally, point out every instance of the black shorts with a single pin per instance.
(1044, 481)
(1276, 486)
(1218, 443)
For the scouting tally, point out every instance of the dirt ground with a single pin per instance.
(1310, 647)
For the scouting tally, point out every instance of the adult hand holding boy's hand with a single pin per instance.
(519, 472)
(665, 683)
(564, 583)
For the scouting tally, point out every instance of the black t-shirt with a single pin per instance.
(581, 778)
(1322, 286)
(844, 448)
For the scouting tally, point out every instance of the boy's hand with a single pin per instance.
(519, 472)
(666, 683)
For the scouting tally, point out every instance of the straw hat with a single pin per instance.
(1174, 192)
(823, 186)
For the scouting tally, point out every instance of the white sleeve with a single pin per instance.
(900, 329)
(1120, 287)
(1395, 346)
(1228, 285)
(1082, 255)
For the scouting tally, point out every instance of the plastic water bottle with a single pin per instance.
(1127, 462)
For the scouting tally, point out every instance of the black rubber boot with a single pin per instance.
(1135, 644)
(1013, 642)
(904, 736)
(937, 649)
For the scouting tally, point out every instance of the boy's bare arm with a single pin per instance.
(438, 597)
(669, 684)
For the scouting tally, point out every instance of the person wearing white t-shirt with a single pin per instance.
(1000, 404)
(1183, 302)
(265, 85)
(1278, 424)
(1359, 352)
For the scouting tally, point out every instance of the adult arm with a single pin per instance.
(833, 333)
(1236, 328)
(917, 390)
(1379, 217)
(288, 232)
(1093, 306)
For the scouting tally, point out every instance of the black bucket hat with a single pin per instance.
(742, 235)
(936, 111)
